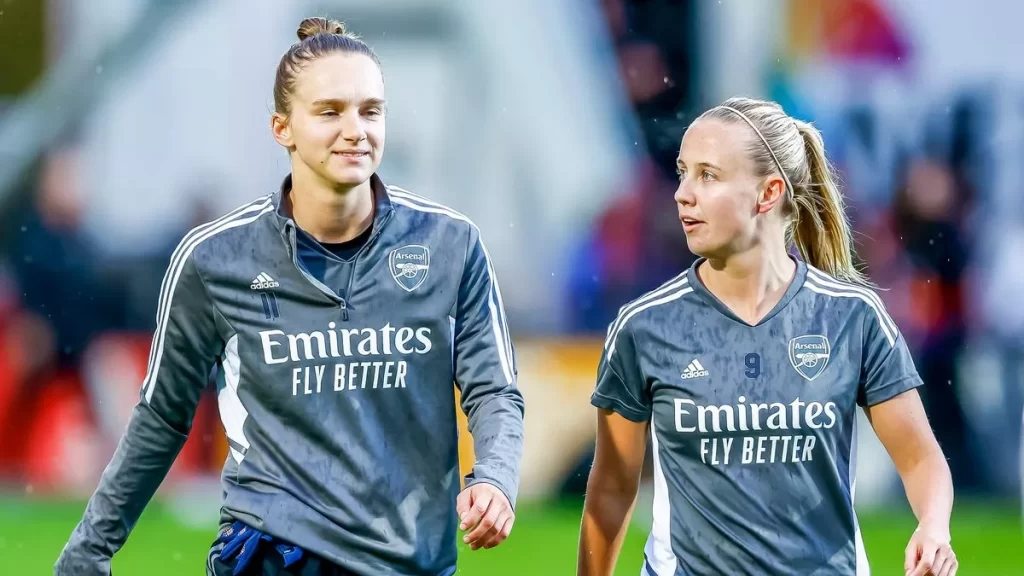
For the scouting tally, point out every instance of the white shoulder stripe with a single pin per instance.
(408, 199)
(242, 217)
(404, 194)
(613, 329)
(499, 323)
(663, 300)
(253, 206)
(417, 202)
(828, 281)
(675, 282)
(811, 285)
(400, 190)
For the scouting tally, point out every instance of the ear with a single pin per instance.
(282, 130)
(772, 194)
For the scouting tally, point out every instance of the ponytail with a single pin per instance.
(816, 217)
(821, 230)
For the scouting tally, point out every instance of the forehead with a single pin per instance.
(717, 142)
(346, 77)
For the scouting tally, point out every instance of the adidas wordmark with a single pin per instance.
(694, 370)
(264, 281)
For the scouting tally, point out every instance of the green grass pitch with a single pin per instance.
(988, 539)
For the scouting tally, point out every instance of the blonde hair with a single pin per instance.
(816, 220)
(317, 37)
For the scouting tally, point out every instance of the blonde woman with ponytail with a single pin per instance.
(747, 371)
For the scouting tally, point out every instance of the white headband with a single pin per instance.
(761, 136)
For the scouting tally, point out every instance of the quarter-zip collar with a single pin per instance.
(383, 207)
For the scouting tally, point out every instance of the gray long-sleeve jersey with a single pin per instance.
(754, 426)
(338, 401)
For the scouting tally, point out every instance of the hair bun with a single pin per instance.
(315, 26)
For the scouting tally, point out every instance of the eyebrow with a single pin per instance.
(336, 101)
(704, 164)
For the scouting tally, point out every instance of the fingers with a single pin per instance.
(488, 525)
(924, 565)
(911, 556)
(486, 513)
(479, 501)
(505, 522)
(945, 562)
(462, 504)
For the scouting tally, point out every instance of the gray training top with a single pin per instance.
(338, 402)
(753, 427)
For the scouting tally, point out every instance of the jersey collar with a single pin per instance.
(381, 197)
(701, 290)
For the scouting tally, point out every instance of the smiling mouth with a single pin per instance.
(353, 153)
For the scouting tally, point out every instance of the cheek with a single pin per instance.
(718, 202)
(314, 134)
(375, 132)
(725, 209)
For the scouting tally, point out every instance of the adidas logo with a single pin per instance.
(264, 281)
(694, 370)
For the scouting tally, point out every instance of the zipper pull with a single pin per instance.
(344, 309)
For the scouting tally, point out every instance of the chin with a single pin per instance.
(349, 177)
(695, 246)
(703, 249)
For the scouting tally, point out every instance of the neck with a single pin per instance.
(751, 282)
(329, 213)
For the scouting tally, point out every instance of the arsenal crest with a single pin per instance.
(409, 265)
(809, 355)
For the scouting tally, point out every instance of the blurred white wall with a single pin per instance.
(961, 42)
(737, 48)
(503, 110)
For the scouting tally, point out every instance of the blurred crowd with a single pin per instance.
(69, 316)
(74, 323)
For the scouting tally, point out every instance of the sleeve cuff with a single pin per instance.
(470, 481)
(628, 412)
(892, 390)
(73, 563)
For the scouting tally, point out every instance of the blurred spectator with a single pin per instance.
(53, 265)
(137, 278)
(919, 250)
(997, 359)
(637, 243)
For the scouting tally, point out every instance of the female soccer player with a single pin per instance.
(748, 369)
(338, 313)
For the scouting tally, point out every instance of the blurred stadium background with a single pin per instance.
(554, 125)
